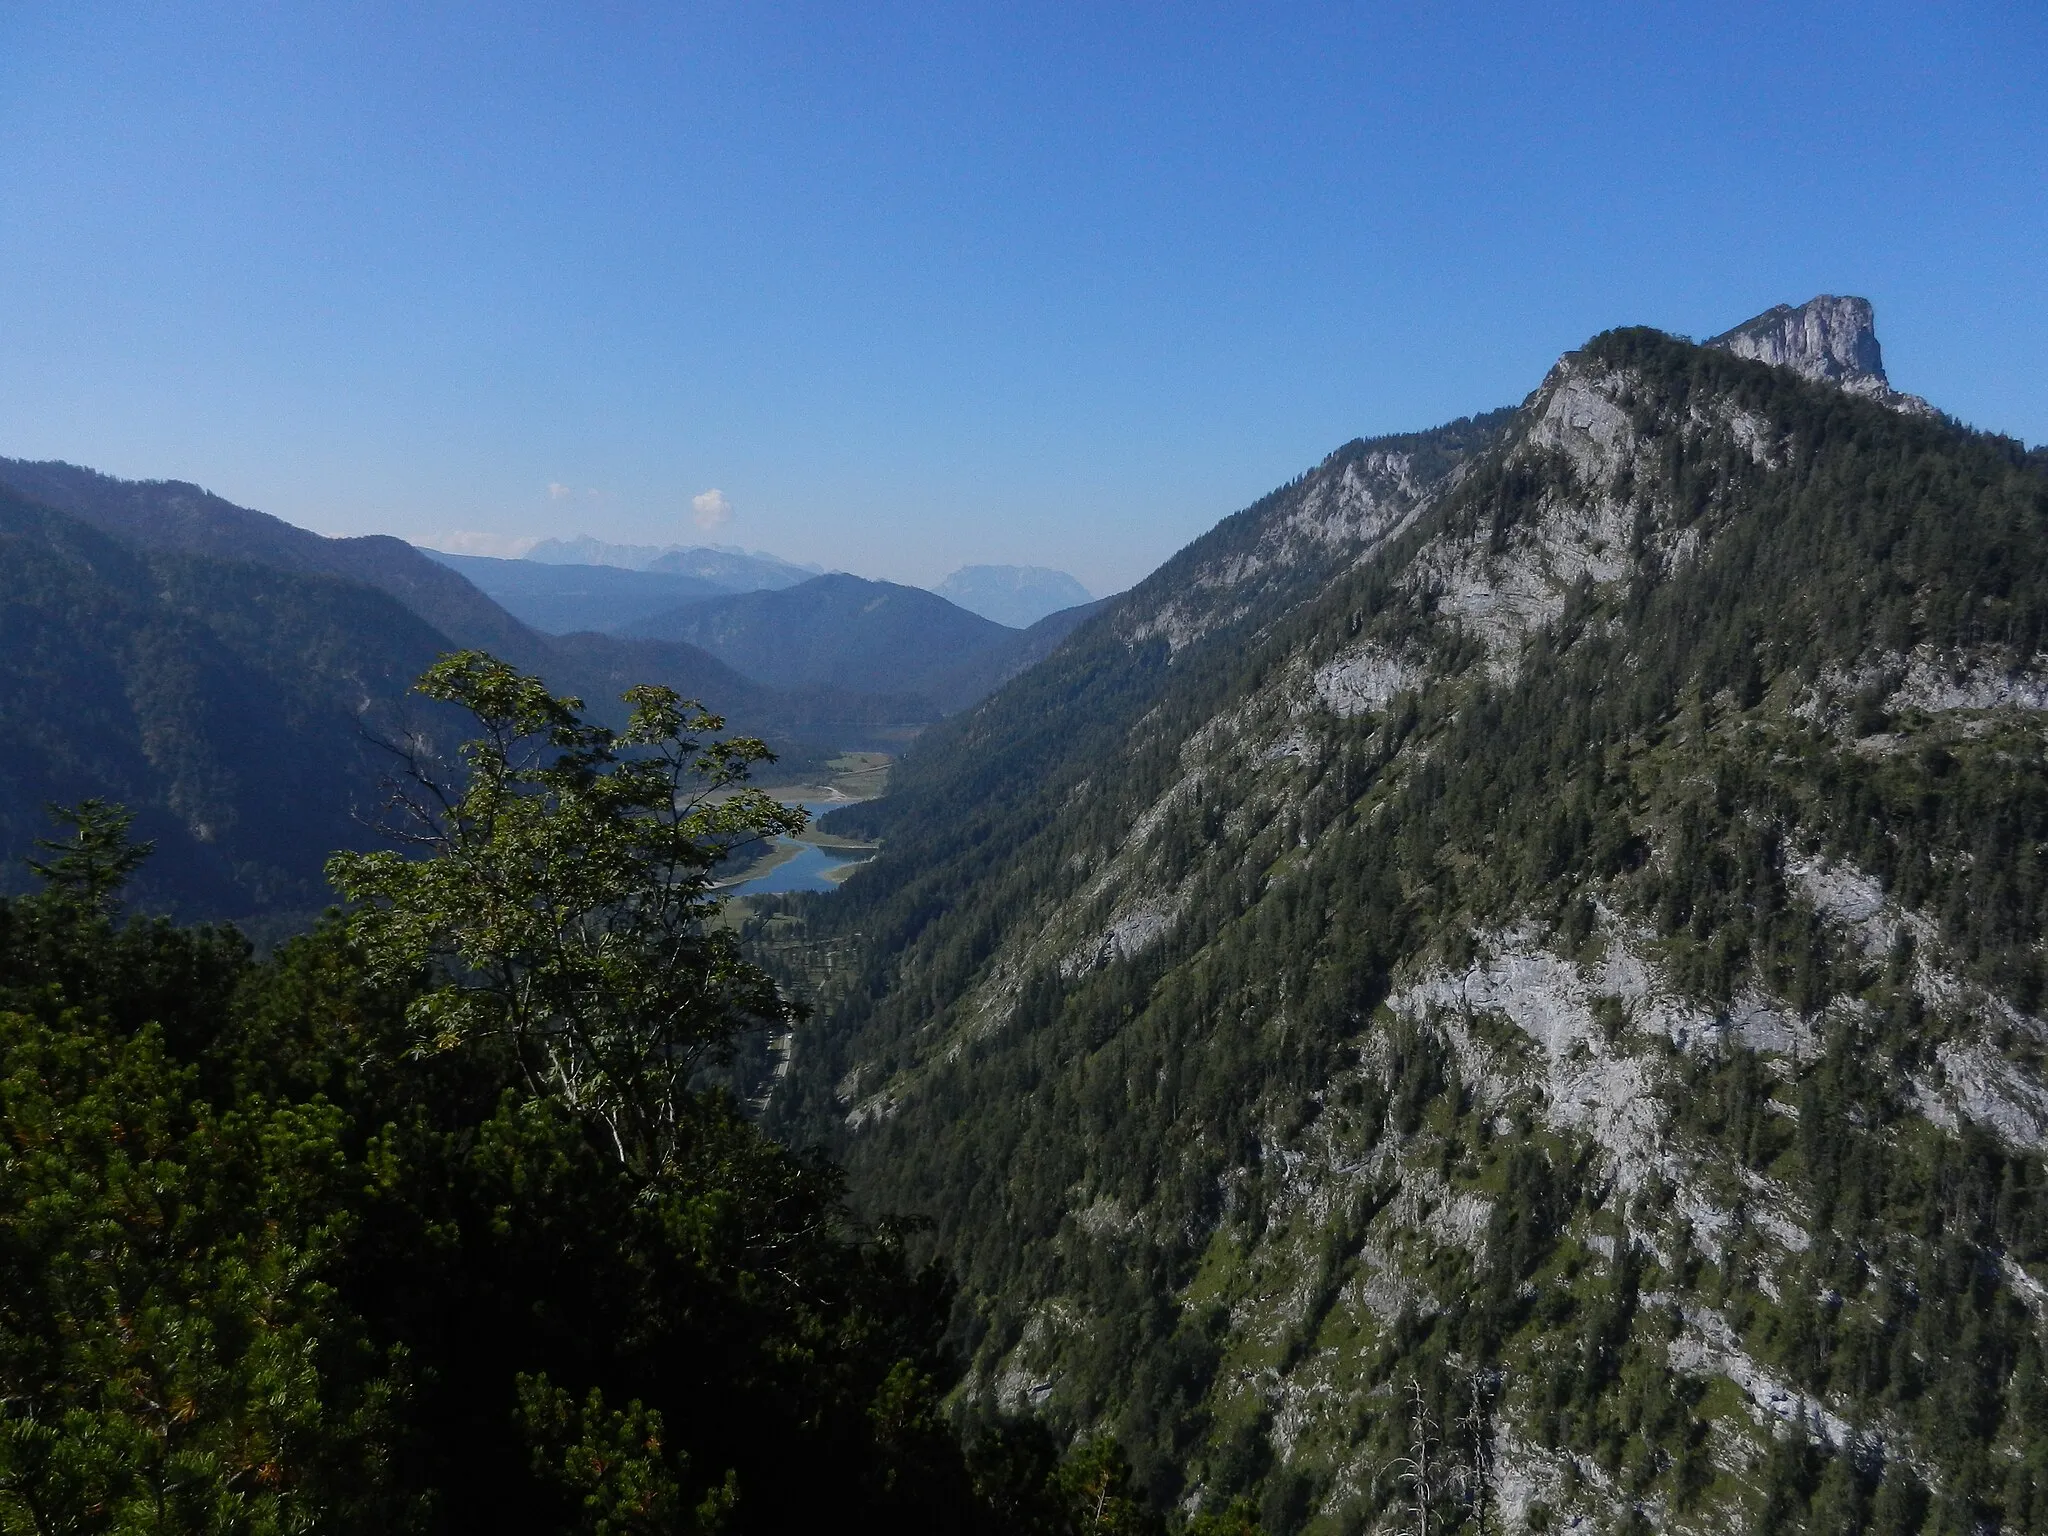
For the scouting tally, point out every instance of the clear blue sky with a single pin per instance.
(921, 285)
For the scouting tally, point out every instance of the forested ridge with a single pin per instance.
(1580, 966)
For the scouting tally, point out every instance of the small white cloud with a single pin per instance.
(469, 541)
(712, 509)
(558, 491)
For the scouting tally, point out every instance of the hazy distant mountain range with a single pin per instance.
(846, 632)
(1016, 595)
(836, 630)
(562, 599)
(555, 585)
(734, 570)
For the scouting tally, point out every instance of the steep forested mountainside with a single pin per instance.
(1530, 938)
(230, 706)
(841, 631)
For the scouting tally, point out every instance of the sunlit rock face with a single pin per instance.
(1831, 339)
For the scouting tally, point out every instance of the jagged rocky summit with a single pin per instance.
(1831, 339)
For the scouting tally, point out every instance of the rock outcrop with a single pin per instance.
(1831, 339)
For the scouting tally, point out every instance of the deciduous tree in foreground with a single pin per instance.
(561, 907)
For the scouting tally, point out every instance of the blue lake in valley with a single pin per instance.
(808, 870)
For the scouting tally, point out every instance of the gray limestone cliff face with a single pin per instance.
(1831, 339)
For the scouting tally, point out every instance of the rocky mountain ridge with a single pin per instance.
(1553, 928)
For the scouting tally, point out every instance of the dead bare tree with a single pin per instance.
(1421, 1472)
(1477, 1426)
(1446, 1478)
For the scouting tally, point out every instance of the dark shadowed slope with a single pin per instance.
(985, 671)
(172, 515)
(230, 706)
(798, 718)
